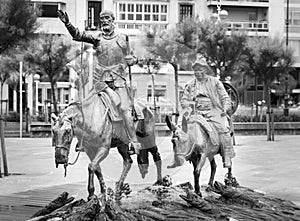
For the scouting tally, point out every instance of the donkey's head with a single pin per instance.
(62, 129)
(180, 141)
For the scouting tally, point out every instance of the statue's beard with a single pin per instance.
(107, 28)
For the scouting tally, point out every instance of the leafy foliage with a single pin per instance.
(50, 54)
(223, 52)
(269, 60)
(17, 22)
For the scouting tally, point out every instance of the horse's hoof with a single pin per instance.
(199, 194)
(158, 183)
(90, 197)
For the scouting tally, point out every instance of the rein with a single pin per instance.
(190, 150)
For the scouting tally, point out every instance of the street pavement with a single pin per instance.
(271, 167)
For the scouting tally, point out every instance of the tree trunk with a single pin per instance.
(175, 66)
(268, 102)
(53, 91)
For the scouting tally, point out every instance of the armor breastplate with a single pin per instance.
(111, 64)
(109, 52)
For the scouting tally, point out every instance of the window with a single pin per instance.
(65, 96)
(140, 14)
(294, 18)
(48, 10)
(40, 95)
(159, 91)
(94, 9)
(252, 16)
(49, 94)
(185, 11)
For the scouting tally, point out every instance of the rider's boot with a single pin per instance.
(129, 127)
(227, 149)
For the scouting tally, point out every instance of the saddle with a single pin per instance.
(114, 112)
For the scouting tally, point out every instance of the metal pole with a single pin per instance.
(5, 167)
(153, 91)
(21, 98)
(286, 96)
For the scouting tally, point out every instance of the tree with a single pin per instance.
(18, 22)
(7, 74)
(269, 60)
(50, 55)
(81, 67)
(225, 53)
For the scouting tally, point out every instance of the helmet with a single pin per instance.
(107, 12)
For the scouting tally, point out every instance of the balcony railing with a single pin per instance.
(224, 1)
(138, 26)
(254, 3)
(248, 26)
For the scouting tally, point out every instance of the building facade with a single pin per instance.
(258, 17)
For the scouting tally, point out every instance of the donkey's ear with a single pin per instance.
(170, 125)
(184, 125)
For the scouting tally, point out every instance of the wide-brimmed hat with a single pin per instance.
(200, 62)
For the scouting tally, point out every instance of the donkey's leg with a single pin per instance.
(197, 170)
(195, 161)
(127, 162)
(213, 168)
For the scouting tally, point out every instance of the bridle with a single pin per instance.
(61, 146)
(176, 136)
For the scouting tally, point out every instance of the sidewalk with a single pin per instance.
(268, 166)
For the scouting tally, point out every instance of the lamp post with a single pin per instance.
(286, 94)
(36, 79)
(220, 15)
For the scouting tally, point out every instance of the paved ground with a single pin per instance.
(268, 166)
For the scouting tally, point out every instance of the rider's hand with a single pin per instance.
(63, 16)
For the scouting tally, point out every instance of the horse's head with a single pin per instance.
(180, 141)
(62, 129)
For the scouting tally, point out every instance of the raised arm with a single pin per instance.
(74, 32)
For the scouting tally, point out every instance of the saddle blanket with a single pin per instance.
(208, 127)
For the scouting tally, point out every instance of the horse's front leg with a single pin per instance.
(127, 162)
(93, 166)
(101, 180)
(91, 187)
(213, 168)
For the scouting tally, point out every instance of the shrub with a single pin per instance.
(12, 116)
(277, 118)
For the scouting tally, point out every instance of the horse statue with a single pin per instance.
(92, 123)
